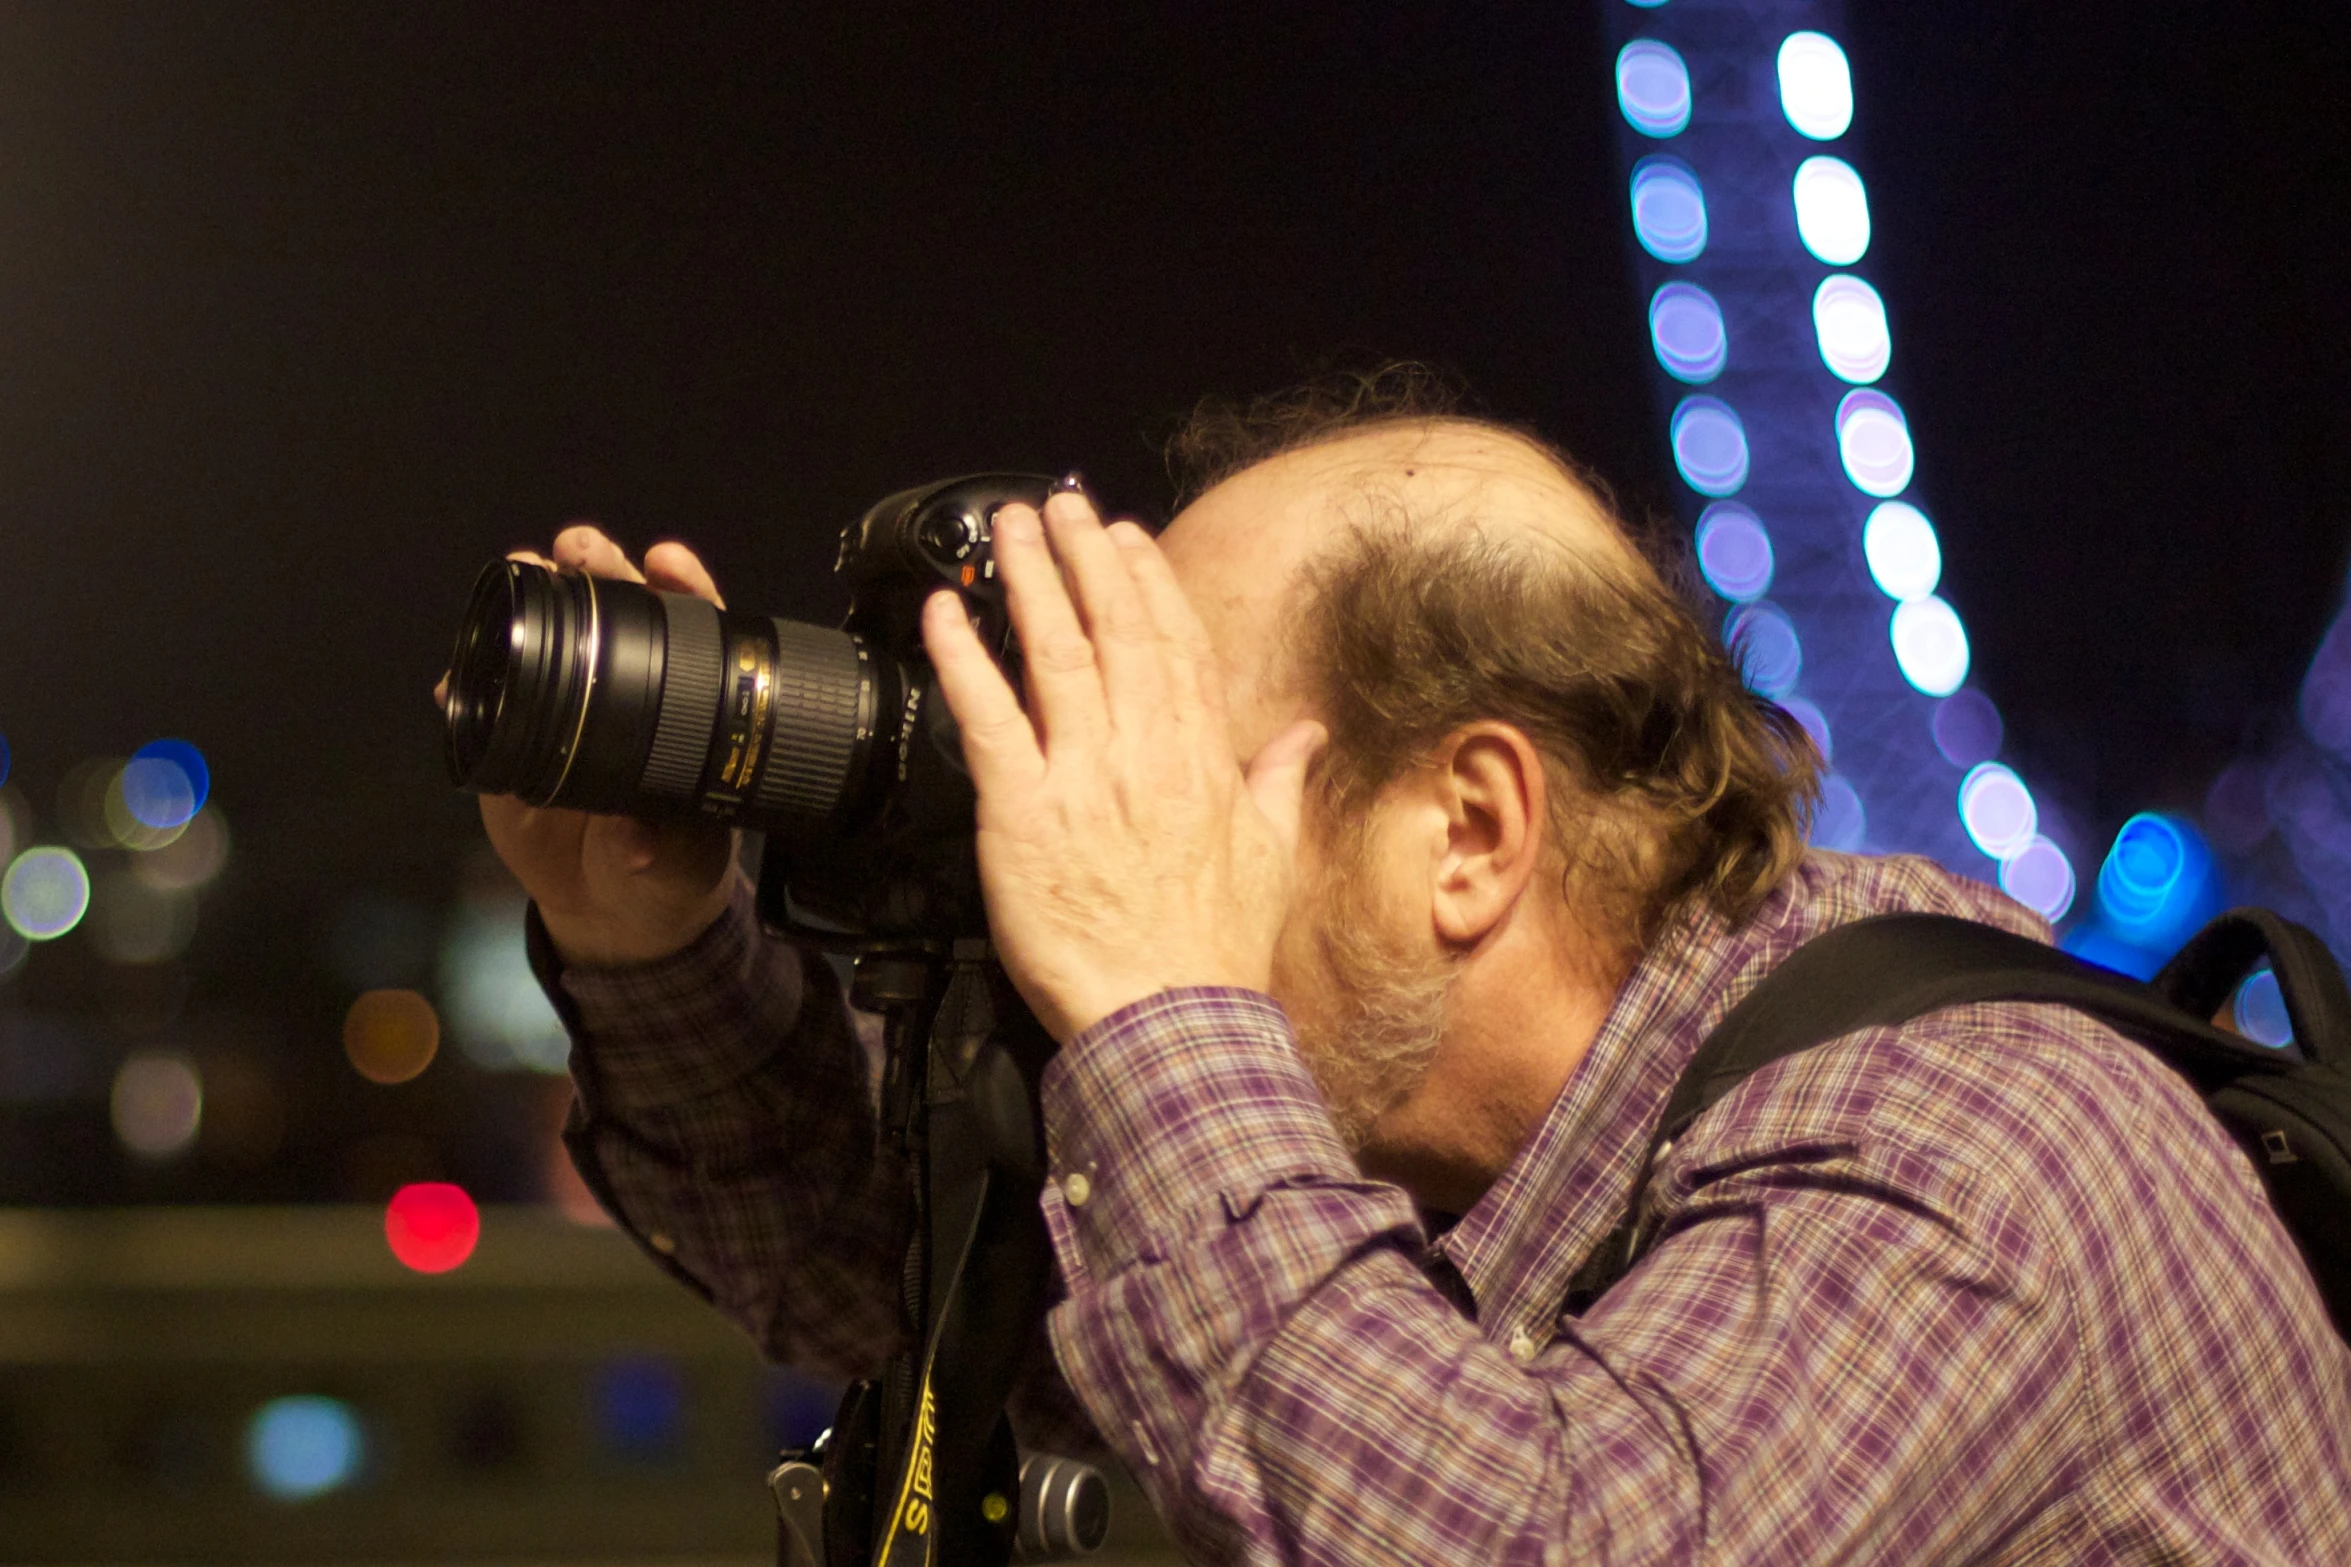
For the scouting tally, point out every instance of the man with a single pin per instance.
(1362, 1040)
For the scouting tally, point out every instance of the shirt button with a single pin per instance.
(660, 1241)
(1075, 1189)
(1523, 1347)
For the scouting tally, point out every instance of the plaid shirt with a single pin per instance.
(1989, 1287)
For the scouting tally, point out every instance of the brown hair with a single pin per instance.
(1672, 784)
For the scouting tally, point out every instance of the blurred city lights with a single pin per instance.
(45, 893)
(1832, 210)
(297, 1448)
(1967, 728)
(641, 1408)
(1709, 446)
(1905, 559)
(1930, 645)
(157, 1105)
(2325, 704)
(1840, 823)
(1849, 321)
(1685, 326)
(82, 799)
(2157, 883)
(1653, 87)
(191, 859)
(1669, 210)
(1734, 552)
(1816, 86)
(173, 783)
(391, 1036)
(1815, 723)
(2040, 877)
(3, 759)
(1873, 440)
(134, 922)
(1997, 810)
(432, 1226)
(1770, 654)
(491, 1003)
(2260, 1010)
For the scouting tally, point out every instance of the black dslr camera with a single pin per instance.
(600, 695)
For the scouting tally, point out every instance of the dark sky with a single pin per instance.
(308, 309)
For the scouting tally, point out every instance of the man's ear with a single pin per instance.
(1489, 782)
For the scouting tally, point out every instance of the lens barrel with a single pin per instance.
(601, 695)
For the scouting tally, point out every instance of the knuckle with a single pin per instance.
(1064, 654)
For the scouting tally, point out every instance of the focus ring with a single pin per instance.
(817, 675)
(690, 681)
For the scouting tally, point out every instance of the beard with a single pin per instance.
(1379, 1008)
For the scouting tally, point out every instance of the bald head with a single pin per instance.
(1240, 549)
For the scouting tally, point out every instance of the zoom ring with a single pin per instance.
(690, 681)
(817, 677)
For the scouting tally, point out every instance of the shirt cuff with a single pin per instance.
(682, 1027)
(1175, 1114)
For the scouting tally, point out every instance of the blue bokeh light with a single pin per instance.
(1849, 322)
(2040, 877)
(1997, 810)
(641, 1408)
(1653, 87)
(3, 759)
(297, 1448)
(2157, 883)
(1816, 86)
(166, 783)
(1905, 558)
(1839, 822)
(1669, 209)
(1832, 211)
(2260, 1010)
(1930, 645)
(1873, 441)
(1816, 724)
(1967, 728)
(1709, 446)
(1685, 327)
(2325, 705)
(1770, 654)
(1734, 552)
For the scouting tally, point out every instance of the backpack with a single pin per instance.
(2289, 1108)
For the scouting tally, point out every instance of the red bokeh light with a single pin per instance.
(432, 1226)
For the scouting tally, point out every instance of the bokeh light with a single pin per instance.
(157, 1104)
(132, 922)
(1967, 728)
(1815, 723)
(1839, 823)
(11, 832)
(2157, 882)
(1734, 552)
(1849, 321)
(2325, 704)
(1905, 559)
(1685, 327)
(4, 758)
(1709, 445)
(1669, 209)
(432, 1226)
(1873, 439)
(45, 893)
(164, 783)
(2040, 877)
(2236, 810)
(2260, 1010)
(1997, 810)
(1930, 645)
(1816, 86)
(192, 859)
(1832, 211)
(391, 1036)
(1653, 87)
(1769, 652)
(641, 1408)
(82, 798)
(297, 1448)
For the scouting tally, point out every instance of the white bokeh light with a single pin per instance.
(1905, 559)
(157, 1104)
(2040, 877)
(1832, 210)
(1930, 645)
(1997, 810)
(1873, 439)
(1849, 319)
(1653, 88)
(1816, 86)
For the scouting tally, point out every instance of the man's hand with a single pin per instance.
(612, 889)
(1122, 849)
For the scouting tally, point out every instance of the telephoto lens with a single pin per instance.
(602, 695)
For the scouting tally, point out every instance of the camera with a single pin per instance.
(601, 695)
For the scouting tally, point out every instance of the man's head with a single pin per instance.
(1538, 757)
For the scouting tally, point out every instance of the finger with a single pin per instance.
(584, 547)
(1064, 678)
(1277, 777)
(1134, 672)
(530, 558)
(999, 743)
(1197, 673)
(441, 694)
(672, 566)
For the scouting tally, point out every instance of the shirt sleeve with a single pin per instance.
(723, 1118)
(1826, 1342)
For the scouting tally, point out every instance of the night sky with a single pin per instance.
(306, 310)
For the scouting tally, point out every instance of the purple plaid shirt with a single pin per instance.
(1989, 1287)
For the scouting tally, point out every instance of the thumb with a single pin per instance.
(1277, 776)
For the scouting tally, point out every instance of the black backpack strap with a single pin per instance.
(2206, 972)
(1887, 970)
